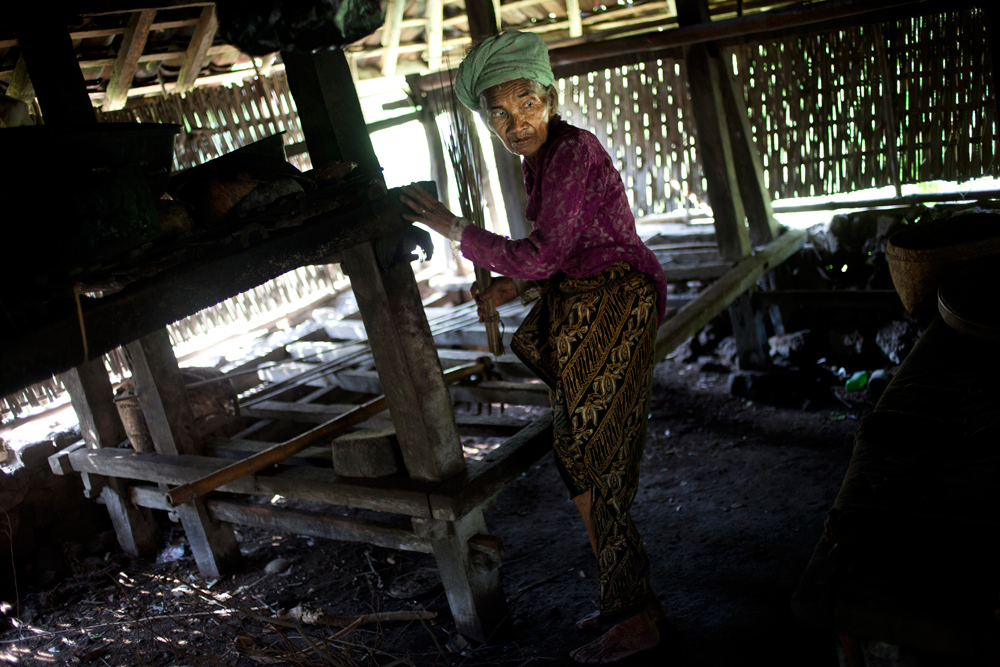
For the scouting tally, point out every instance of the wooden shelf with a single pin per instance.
(32, 355)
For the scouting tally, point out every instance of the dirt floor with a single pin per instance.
(733, 496)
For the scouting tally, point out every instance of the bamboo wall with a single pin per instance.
(826, 110)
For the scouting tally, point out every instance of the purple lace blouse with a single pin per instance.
(579, 214)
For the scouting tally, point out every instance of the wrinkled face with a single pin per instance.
(518, 112)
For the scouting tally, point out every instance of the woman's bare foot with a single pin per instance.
(635, 634)
(593, 621)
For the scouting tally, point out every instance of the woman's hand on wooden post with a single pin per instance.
(427, 210)
(500, 291)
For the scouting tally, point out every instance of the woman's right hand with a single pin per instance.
(502, 290)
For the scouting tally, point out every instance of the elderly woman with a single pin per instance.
(591, 335)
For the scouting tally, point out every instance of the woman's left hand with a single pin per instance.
(428, 210)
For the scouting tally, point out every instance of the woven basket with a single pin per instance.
(922, 255)
(969, 300)
(135, 424)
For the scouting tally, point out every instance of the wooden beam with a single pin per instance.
(379, 533)
(575, 20)
(123, 71)
(391, 494)
(715, 152)
(51, 61)
(717, 296)
(394, 17)
(483, 19)
(407, 364)
(201, 39)
(162, 395)
(329, 109)
(434, 34)
(746, 159)
(758, 24)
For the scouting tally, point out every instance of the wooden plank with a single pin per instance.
(407, 364)
(123, 71)
(307, 413)
(433, 34)
(241, 448)
(93, 401)
(59, 462)
(394, 20)
(201, 39)
(490, 391)
(483, 19)
(378, 533)
(162, 395)
(51, 61)
(391, 494)
(484, 479)
(717, 296)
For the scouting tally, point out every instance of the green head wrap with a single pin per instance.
(505, 57)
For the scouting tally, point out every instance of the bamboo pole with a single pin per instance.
(280, 452)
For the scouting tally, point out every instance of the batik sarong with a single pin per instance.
(591, 340)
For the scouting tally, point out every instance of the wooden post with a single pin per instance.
(93, 401)
(329, 109)
(732, 169)
(123, 71)
(400, 337)
(482, 24)
(160, 389)
(434, 33)
(394, 25)
(407, 364)
(51, 60)
(201, 39)
(575, 20)
(747, 162)
(476, 598)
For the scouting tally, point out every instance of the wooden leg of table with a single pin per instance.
(407, 364)
(92, 398)
(163, 398)
(476, 598)
(137, 531)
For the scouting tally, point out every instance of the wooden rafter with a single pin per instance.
(197, 50)
(435, 29)
(111, 32)
(127, 60)
(574, 18)
(394, 17)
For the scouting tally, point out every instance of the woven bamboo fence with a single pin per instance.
(878, 105)
(902, 102)
(642, 116)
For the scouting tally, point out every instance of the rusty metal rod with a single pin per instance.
(252, 464)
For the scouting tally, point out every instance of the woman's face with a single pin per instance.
(518, 112)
